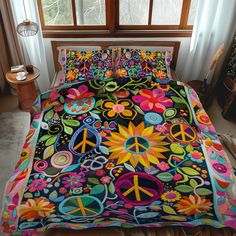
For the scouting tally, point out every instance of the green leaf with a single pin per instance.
(165, 176)
(137, 108)
(44, 137)
(169, 210)
(189, 171)
(177, 99)
(97, 189)
(111, 188)
(180, 105)
(93, 181)
(49, 115)
(48, 152)
(96, 111)
(99, 103)
(95, 116)
(51, 140)
(193, 183)
(68, 130)
(184, 188)
(62, 100)
(177, 149)
(72, 122)
(203, 191)
(148, 215)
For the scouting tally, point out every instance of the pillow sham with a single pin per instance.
(83, 65)
(142, 63)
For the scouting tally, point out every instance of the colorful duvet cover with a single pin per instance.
(126, 152)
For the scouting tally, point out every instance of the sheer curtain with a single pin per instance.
(33, 46)
(214, 24)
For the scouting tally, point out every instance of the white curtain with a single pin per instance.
(214, 24)
(33, 46)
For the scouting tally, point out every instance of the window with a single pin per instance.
(117, 17)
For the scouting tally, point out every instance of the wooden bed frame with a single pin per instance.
(105, 44)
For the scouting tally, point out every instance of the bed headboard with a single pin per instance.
(174, 45)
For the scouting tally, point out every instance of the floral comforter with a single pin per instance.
(127, 152)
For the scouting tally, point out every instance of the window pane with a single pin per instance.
(57, 12)
(166, 12)
(192, 12)
(91, 12)
(134, 12)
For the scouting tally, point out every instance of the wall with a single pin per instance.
(183, 52)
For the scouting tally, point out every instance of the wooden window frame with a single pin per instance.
(112, 27)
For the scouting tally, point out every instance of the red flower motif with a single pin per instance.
(153, 100)
(100, 173)
(105, 179)
(37, 185)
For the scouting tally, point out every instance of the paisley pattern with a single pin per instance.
(130, 152)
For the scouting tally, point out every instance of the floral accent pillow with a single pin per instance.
(141, 63)
(82, 65)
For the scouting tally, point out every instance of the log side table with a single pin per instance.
(26, 89)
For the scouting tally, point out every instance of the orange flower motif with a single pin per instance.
(109, 74)
(36, 208)
(193, 204)
(121, 73)
(70, 75)
(160, 74)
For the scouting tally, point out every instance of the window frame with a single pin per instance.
(113, 28)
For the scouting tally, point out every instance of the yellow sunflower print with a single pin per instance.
(136, 144)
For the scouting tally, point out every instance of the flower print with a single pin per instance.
(153, 100)
(160, 74)
(196, 156)
(121, 73)
(122, 108)
(70, 75)
(62, 190)
(80, 93)
(58, 108)
(163, 166)
(37, 208)
(220, 168)
(193, 204)
(37, 185)
(136, 144)
(105, 179)
(84, 55)
(25, 153)
(74, 180)
(100, 172)
(161, 128)
(164, 87)
(171, 196)
(177, 177)
(109, 165)
(54, 95)
(147, 55)
(109, 74)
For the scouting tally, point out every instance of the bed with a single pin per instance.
(126, 150)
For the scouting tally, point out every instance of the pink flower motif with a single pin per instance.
(177, 177)
(105, 179)
(62, 190)
(153, 100)
(163, 166)
(74, 180)
(80, 93)
(37, 185)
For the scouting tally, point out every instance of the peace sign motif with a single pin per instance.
(138, 188)
(84, 140)
(183, 133)
(81, 206)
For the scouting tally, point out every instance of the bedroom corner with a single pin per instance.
(118, 117)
